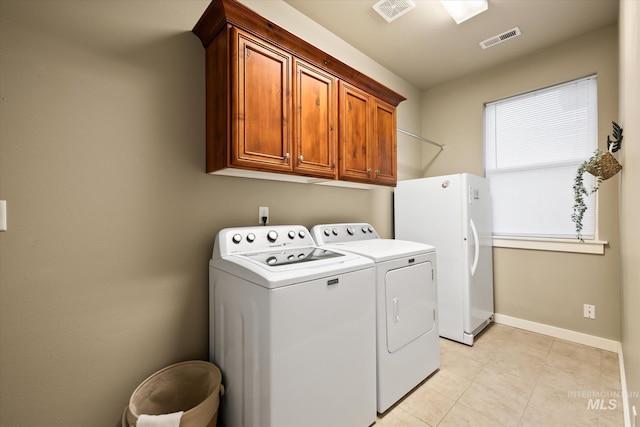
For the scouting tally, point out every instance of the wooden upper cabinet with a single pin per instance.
(384, 144)
(261, 105)
(276, 103)
(315, 117)
(367, 138)
(355, 134)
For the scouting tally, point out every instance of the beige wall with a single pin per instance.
(629, 195)
(539, 286)
(111, 218)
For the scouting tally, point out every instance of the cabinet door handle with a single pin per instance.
(301, 158)
(286, 155)
(377, 171)
(369, 171)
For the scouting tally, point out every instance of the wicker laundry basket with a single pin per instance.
(194, 387)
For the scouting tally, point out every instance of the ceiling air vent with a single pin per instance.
(393, 9)
(492, 41)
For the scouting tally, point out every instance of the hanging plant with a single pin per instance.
(580, 192)
(603, 166)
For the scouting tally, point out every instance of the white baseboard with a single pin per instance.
(623, 387)
(564, 334)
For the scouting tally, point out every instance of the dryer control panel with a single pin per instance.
(338, 233)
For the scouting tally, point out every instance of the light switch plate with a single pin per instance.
(3, 215)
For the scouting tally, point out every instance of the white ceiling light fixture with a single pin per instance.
(461, 10)
(393, 9)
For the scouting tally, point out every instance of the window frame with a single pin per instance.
(587, 246)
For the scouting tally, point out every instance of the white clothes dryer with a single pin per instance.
(292, 328)
(408, 346)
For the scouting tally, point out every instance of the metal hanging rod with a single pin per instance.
(442, 147)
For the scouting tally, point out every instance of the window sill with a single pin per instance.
(556, 245)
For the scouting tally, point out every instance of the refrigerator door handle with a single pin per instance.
(477, 248)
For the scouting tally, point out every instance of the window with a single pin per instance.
(534, 144)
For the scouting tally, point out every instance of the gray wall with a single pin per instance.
(111, 218)
(629, 195)
(539, 286)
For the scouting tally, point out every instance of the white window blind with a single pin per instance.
(534, 144)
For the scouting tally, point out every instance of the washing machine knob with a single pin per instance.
(251, 237)
(236, 238)
(335, 231)
(272, 236)
(350, 230)
(327, 232)
(364, 229)
(272, 260)
(292, 234)
(302, 234)
(370, 229)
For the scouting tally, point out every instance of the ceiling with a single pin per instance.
(426, 47)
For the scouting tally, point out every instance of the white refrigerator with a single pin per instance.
(453, 213)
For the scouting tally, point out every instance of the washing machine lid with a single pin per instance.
(380, 250)
(274, 269)
(292, 256)
(279, 255)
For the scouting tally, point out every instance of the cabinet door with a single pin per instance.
(315, 115)
(261, 105)
(354, 162)
(384, 143)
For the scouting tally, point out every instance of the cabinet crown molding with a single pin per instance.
(221, 13)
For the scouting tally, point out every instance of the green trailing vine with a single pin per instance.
(580, 192)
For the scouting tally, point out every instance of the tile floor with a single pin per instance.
(512, 377)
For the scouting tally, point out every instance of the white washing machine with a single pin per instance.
(292, 328)
(408, 347)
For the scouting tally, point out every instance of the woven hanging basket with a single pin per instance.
(608, 167)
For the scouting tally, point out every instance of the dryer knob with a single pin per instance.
(350, 230)
(302, 234)
(335, 231)
(370, 229)
(272, 236)
(327, 232)
(292, 234)
(251, 237)
(236, 238)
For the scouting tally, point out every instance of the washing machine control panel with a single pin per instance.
(252, 239)
(338, 233)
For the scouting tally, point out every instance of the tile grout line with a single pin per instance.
(537, 378)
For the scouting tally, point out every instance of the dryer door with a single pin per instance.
(410, 296)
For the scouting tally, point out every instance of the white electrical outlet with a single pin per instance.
(590, 311)
(263, 215)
